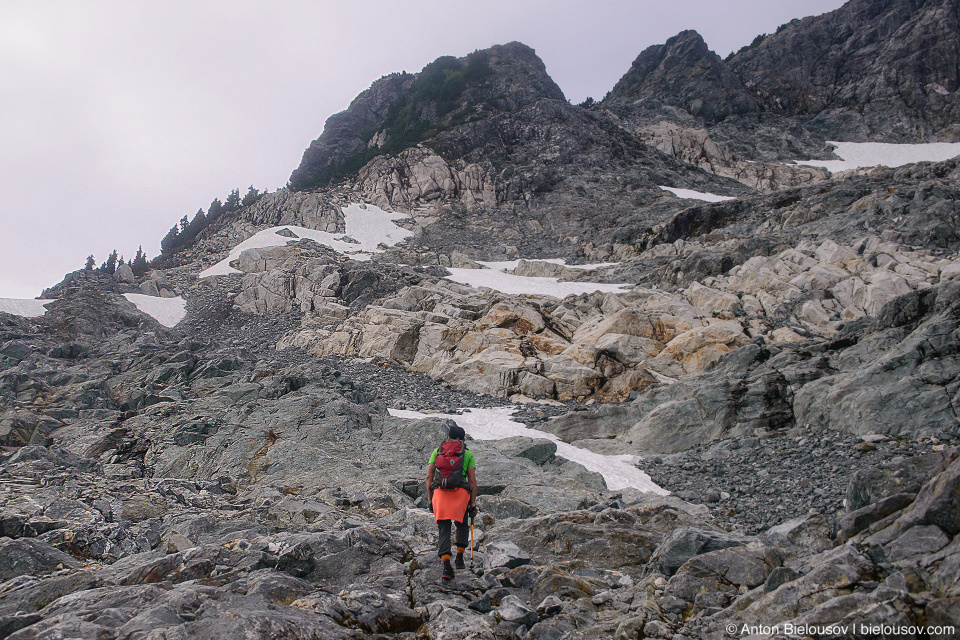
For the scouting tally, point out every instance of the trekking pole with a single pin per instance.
(471, 543)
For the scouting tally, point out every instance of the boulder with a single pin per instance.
(31, 557)
(450, 624)
(850, 293)
(801, 535)
(492, 371)
(628, 349)
(898, 476)
(177, 542)
(710, 301)
(686, 542)
(124, 274)
(537, 450)
(631, 322)
(504, 554)
(604, 421)
(938, 503)
(698, 348)
(521, 319)
(710, 579)
(778, 577)
(820, 277)
(857, 520)
(550, 606)
(918, 540)
(883, 287)
(149, 288)
(830, 252)
(572, 379)
(512, 609)
(828, 575)
(950, 271)
(943, 612)
(535, 386)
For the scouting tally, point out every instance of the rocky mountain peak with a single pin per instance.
(401, 110)
(684, 72)
(871, 68)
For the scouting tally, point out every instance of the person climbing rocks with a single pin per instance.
(452, 493)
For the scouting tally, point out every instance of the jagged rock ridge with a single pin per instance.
(882, 71)
(683, 72)
(870, 68)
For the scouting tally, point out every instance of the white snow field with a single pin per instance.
(504, 265)
(24, 307)
(872, 154)
(619, 472)
(166, 311)
(368, 225)
(494, 277)
(696, 195)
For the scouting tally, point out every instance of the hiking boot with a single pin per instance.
(447, 573)
(459, 564)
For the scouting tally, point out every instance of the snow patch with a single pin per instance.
(855, 155)
(166, 311)
(690, 194)
(25, 307)
(367, 228)
(506, 265)
(494, 277)
(619, 471)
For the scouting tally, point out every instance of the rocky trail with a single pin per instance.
(213, 448)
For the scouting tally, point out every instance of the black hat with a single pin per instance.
(457, 433)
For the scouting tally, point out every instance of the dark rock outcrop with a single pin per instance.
(871, 68)
(684, 73)
(400, 110)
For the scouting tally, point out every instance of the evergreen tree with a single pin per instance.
(233, 201)
(170, 242)
(216, 208)
(90, 263)
(194, 228)
(139, 262)
(252, 196)
(110, 266)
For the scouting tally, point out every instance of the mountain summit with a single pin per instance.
(402, 109)
(685, 73)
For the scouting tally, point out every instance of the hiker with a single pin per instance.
(453, 496)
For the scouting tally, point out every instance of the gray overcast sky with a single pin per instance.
(117, 118)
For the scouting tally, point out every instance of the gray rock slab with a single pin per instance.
(504, 554)
(686, 542)
(27, 556)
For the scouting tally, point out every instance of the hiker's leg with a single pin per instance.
(443, 545)
(463, 537)
(463, 534)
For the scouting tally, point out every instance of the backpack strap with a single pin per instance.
(463, 453)
(435, 484)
